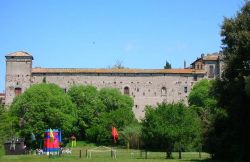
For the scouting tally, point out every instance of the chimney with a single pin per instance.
(184, 64)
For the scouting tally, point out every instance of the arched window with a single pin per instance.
(126, 90)
(163, 91)
(18, 91)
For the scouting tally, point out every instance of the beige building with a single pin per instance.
(145, 86)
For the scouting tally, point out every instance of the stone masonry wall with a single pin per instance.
(146, 89)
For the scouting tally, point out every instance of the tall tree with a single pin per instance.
(231, 132)
(132, 134)
(169, 125)
(99, 110)
(117, 112)
(204, 103)
(89, 107)
(167, 65)
(6, 126)
(43, 106)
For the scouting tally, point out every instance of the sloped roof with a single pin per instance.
(19, 53)
(211, 58)
(130, 71)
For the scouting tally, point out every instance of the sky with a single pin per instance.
(98, 33)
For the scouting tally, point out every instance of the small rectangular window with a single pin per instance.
(211, 71)
(195, 77)
(18, 91)
(185, 89)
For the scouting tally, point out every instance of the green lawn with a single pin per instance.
(123, 155)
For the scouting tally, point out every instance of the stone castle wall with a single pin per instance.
(146, 87)
(18, 74)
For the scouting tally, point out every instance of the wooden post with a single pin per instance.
(179, 151)
(179, 154)
(200, 149)
(80, 155)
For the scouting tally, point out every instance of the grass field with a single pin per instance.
(122, 155)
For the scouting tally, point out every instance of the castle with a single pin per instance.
(145, 86)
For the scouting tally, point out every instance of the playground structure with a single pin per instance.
(52, 139)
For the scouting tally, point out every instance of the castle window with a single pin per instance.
(195, 78)
(185, 89)
(143, 93)
(163, 91)
(18, 91)
(211, 71)
(126, 90)
(137, 89)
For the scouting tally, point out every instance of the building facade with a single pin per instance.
(145, 86)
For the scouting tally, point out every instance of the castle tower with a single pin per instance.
(18, 74)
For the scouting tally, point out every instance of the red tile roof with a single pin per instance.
(130, 71)
(19, 53)
(211, 58)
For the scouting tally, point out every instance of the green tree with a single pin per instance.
(203, 102)
(169, 125)
(167, 65)
(200, 95)
(40, 107)
(231, 132)
(132, 134)
(89, 107)
(117, 112)
(6, 127)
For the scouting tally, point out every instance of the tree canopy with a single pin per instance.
(230, 139)
(89, 107)
(99, 110)
(6, 126)
(200, 95)
(168, 125)
(204, 103)
(43, 106)
(167, 65)
(117, 112)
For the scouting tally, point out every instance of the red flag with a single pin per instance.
(114, 134)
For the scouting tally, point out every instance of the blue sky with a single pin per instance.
(97, 33)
